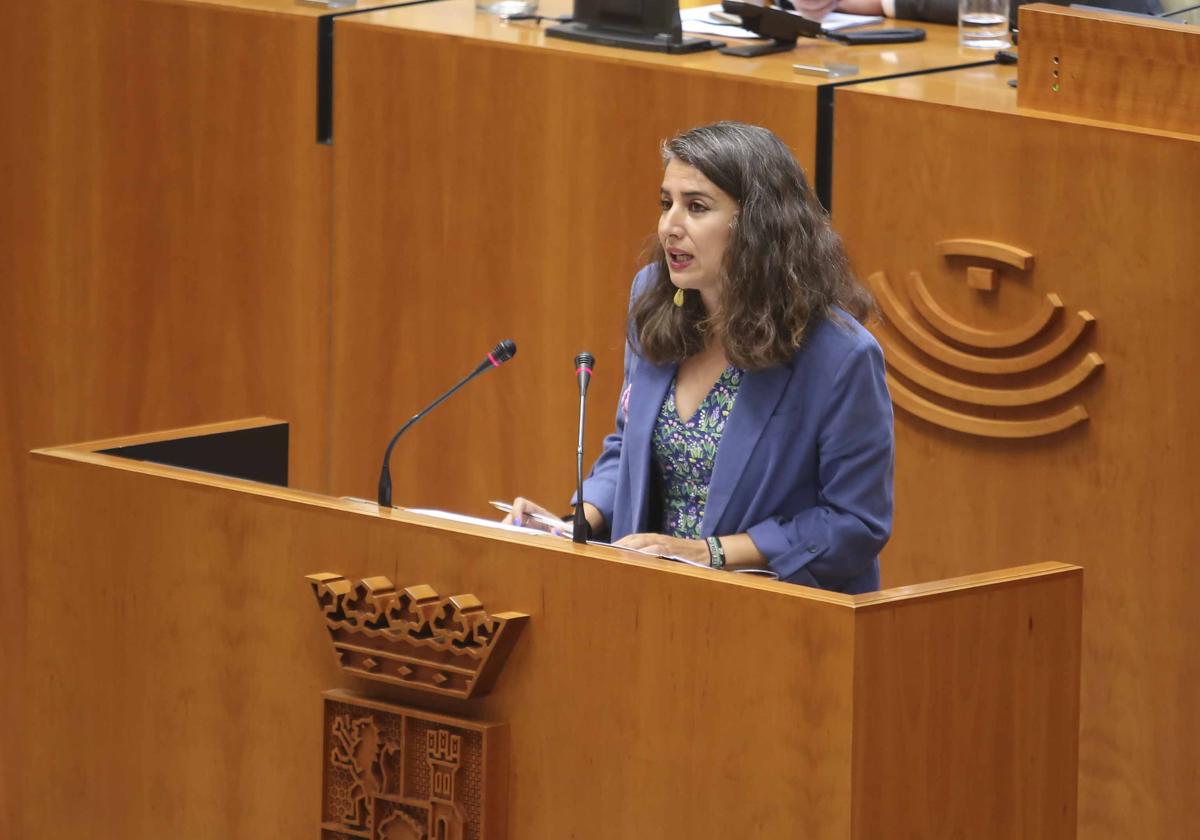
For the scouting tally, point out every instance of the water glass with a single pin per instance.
(983, 24)
(507, 7)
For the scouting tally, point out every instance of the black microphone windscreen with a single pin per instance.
(503, 351)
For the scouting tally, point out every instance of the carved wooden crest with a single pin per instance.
(415, 637)
(392, 773)
(1013, 382)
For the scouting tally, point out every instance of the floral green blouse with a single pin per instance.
(684, 453)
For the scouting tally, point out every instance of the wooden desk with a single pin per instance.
(1108, 213)
(693, 81)
(492, 183)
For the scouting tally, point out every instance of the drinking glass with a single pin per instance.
(983, 24)
(507, 7)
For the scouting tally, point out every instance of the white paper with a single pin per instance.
(500, 526)
(550, 522)
(834, 21)
(475, 520)
(700, 21)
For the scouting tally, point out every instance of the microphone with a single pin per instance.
(584, 363)
(500, 354)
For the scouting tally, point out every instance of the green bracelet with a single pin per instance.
(716, 553)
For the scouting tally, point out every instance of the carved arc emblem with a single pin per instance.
(1009, 383)
(415, 637)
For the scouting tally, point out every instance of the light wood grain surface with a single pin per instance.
(171, 259)
(1108, 215)
(918, 691)
(986, 89)
(643, 699)
(1097, 64)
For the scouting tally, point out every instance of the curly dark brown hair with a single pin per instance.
(783, 269)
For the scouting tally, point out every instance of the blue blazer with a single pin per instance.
(804, 465)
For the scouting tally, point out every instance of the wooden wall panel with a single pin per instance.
(172, 262)
(164, 227)
(496, 192)
(1109, 215)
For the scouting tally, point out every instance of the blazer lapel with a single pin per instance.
(757, 397)
(649, 389)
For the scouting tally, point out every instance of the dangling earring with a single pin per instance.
(678, 297)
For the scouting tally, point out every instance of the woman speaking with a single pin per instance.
(754, 427)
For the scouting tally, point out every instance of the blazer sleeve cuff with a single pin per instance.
(785, 558)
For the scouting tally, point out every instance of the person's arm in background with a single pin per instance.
(934, 11)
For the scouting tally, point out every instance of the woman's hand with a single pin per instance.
(694, 550)
(521, 510)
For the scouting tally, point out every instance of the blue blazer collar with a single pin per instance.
(757, 397)
(650, 389)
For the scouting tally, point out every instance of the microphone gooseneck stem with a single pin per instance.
(385, 473)
(579, 530)
(583, 373)
(500, 354)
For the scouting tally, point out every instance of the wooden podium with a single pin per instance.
(182, 680)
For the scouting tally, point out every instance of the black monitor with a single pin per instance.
(651, 25)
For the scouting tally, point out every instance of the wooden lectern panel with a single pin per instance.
(195, 696)
(921, 690)
(642, 699)
(1108, 215)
